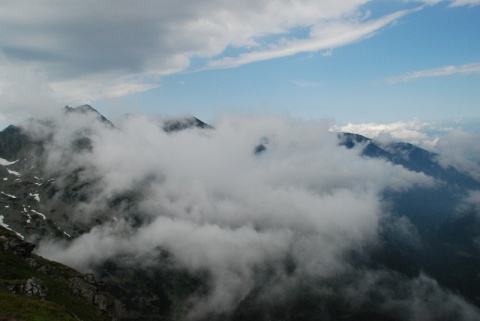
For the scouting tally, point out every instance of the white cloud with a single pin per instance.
(25, 92)
(304, 197)
(86, 50)
(468, 69)
(327, 53)
(471, 202)
(323, 35)
(405, 131)
(455, 142)
(461, 150)
(306, 83)
(453, 3)
(89, 50)
(456, 3)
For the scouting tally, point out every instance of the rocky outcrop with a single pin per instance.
(16, 246)
(83, 286)
(31, 287)
(87, 109)
(93, 292)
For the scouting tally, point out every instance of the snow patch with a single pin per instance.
(35, 196)
(5, 162)
(13, 172)
(6, 206)
(40, 214)
(66, 234)
(3, 224)
(6, 226)
(5, 179)
(11, 196)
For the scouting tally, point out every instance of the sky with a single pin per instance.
(354, 61)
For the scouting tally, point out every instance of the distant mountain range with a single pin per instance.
(37, 205)
(409, 156)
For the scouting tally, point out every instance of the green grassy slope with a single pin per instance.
(59, 303)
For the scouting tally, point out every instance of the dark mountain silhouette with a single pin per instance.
(174, 125)
(86, 109)
(409, 156)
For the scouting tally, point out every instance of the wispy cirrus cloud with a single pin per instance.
(454, 3)
(467, 69)
(323, 36)
(457, 3)
(305, 83)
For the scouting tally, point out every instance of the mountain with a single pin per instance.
(39, 204)
(409, 156)
(33, 288)
(173, 125)
(87, 109)
(448, 237)
(45, 202)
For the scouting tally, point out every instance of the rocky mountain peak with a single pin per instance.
(85, 109)
(178, 124)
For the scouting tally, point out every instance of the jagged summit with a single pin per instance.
(177, 124)
(84, 109)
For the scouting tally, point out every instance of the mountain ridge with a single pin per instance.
(39, 207)
(409, 156)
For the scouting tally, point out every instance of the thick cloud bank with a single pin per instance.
(206, 197)
(461, 150)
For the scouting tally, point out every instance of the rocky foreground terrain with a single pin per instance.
(33, 288)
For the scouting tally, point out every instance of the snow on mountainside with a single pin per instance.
(4, 162)
(25, 178)
(21, 194)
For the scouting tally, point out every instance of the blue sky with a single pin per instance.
(353, 61)
(351, 84)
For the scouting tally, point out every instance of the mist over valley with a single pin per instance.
(248, 218)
